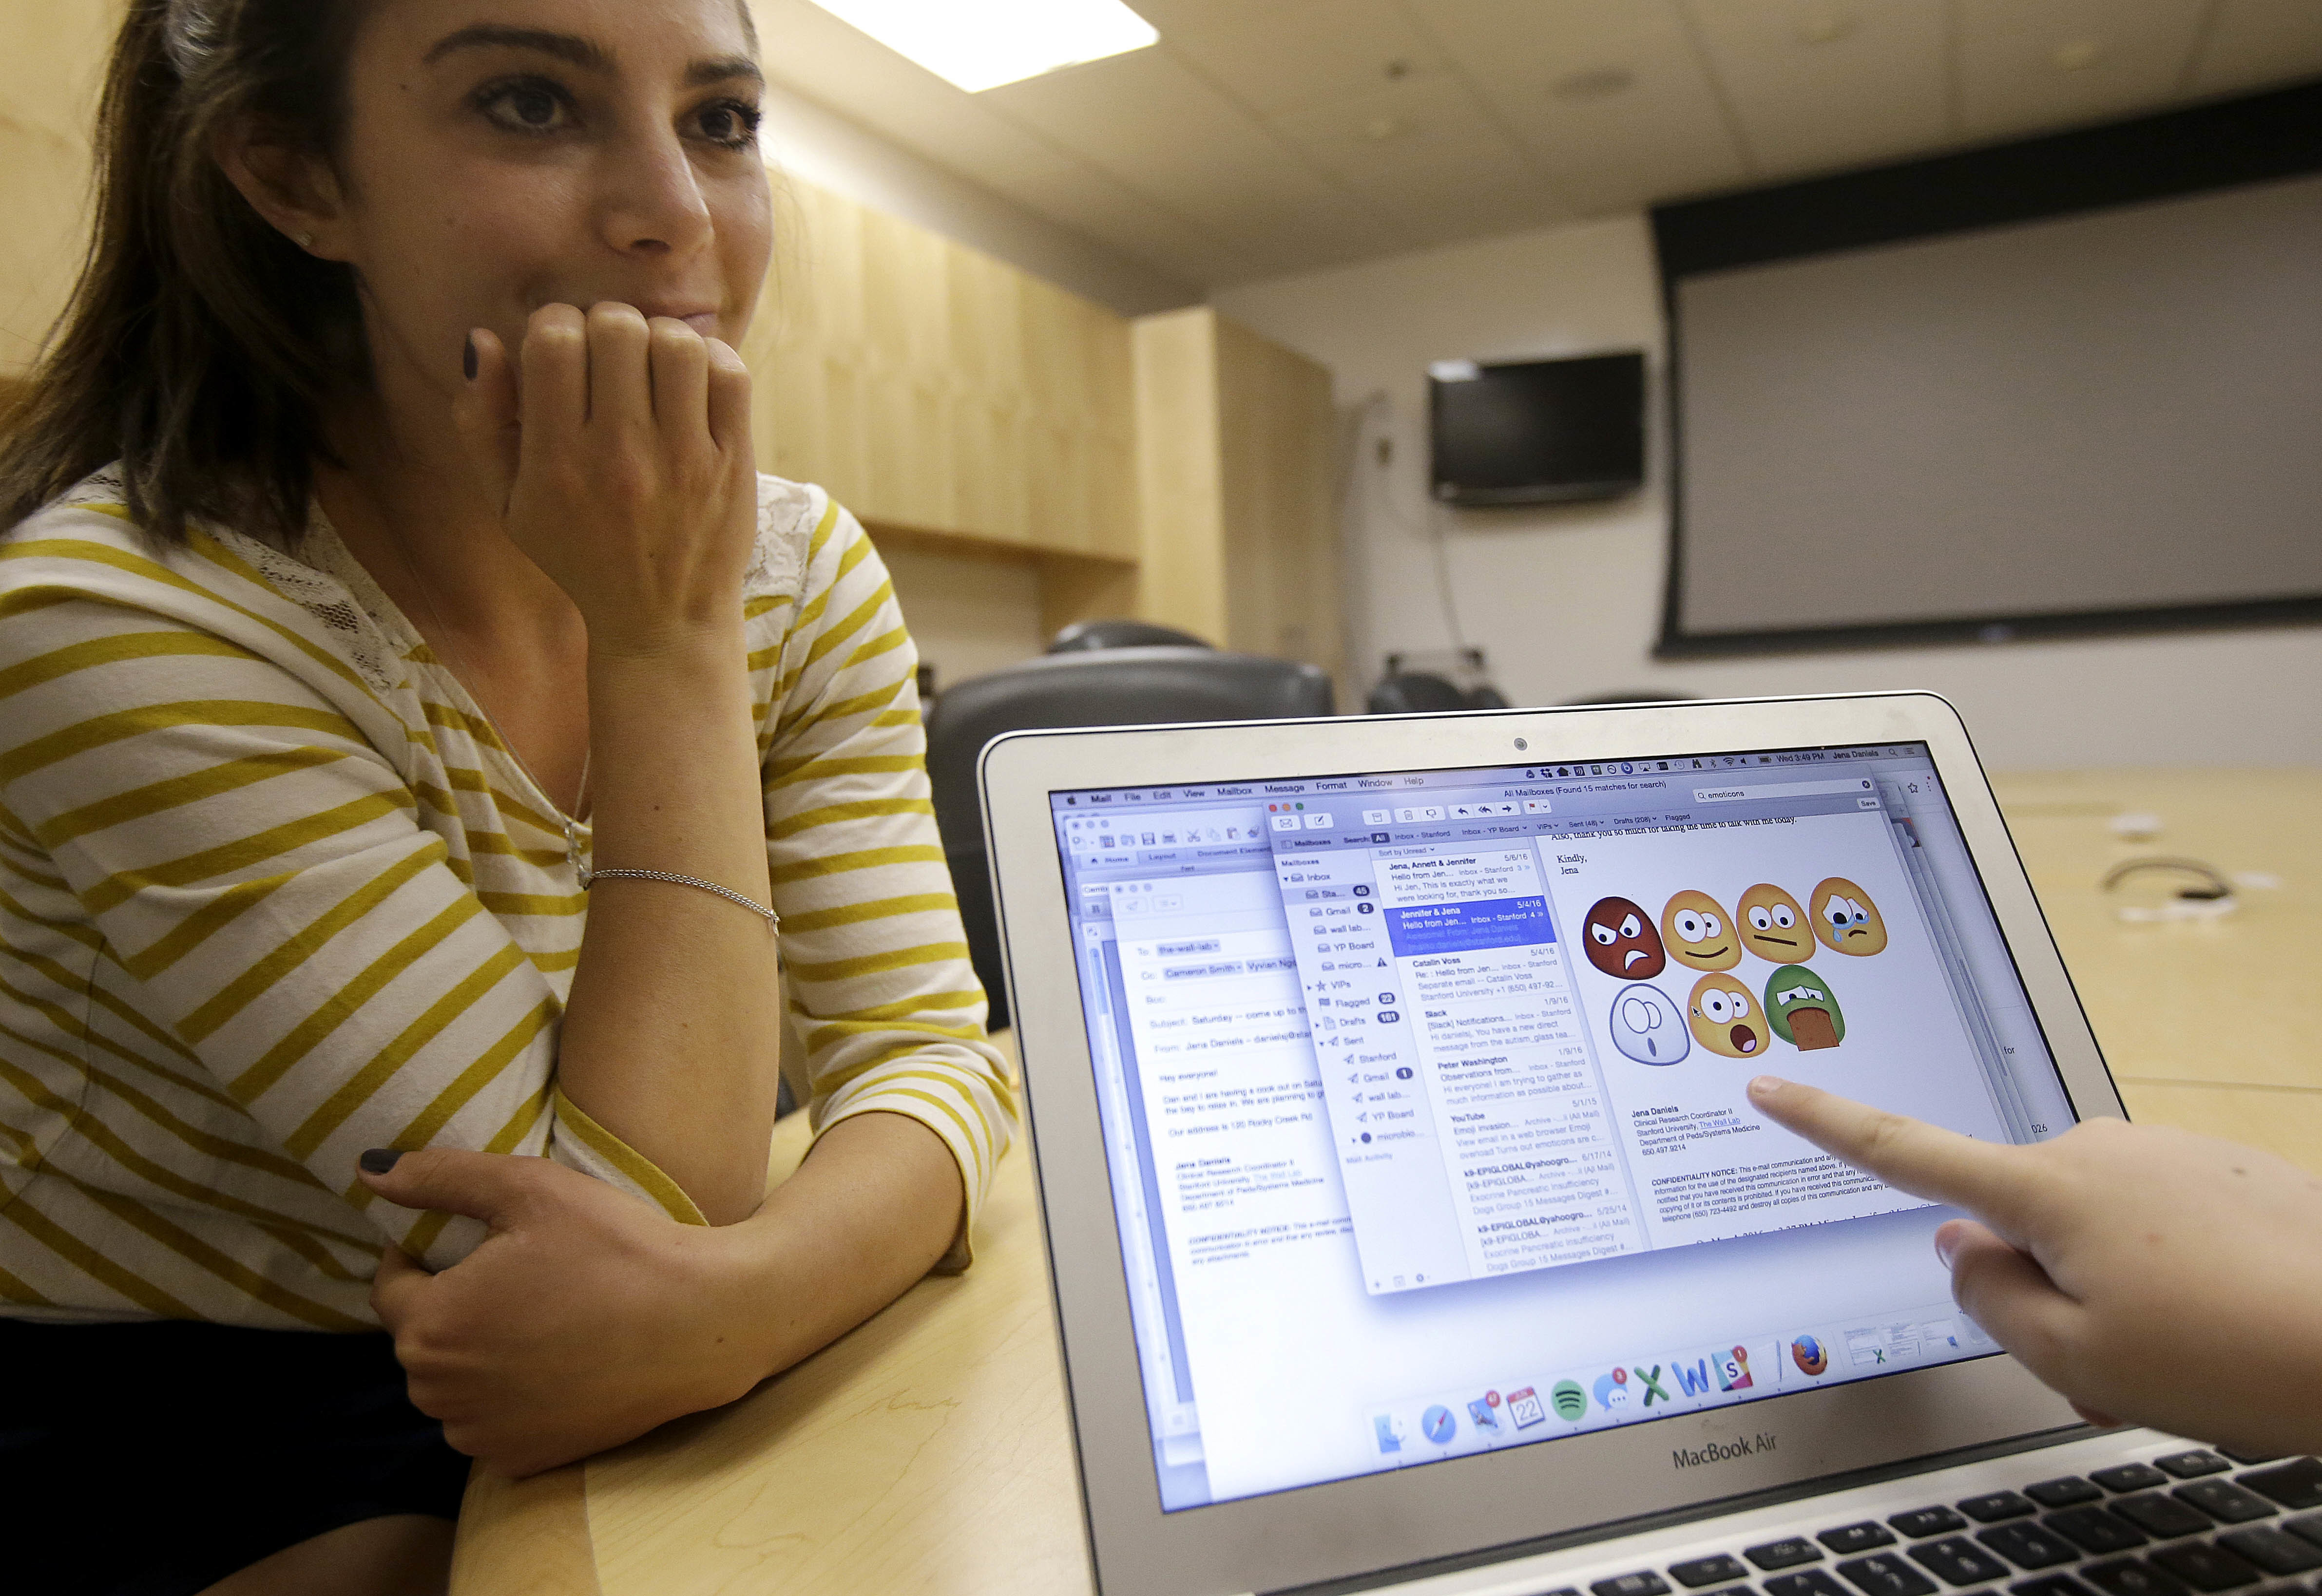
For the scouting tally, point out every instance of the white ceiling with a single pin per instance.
(1262, 137)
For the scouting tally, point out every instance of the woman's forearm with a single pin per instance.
(671, 1036)
(622, 465)
(588, 1317)
(876, 1204)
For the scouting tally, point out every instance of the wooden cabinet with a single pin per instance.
(50, 76)
(1176, 468)
(946, 397)
(1236, 444)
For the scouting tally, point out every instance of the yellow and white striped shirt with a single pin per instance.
(273, 891)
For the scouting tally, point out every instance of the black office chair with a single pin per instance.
(1113, 687)
(1097, 634)
(1415, 692)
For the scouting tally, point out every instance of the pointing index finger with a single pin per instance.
(1987, 1180)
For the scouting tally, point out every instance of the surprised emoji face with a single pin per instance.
(1773, 927)
(1620, 940)
(1699, 934)
(1724, 1017)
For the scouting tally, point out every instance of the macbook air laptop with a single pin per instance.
(1408, 1224)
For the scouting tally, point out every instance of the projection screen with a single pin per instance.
(2115, 413)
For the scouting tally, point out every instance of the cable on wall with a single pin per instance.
(1376, 489)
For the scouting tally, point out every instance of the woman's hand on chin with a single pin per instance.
(618, 453)
(585, 1319)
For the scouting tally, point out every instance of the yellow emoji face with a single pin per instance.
(1772, 926)
(1846, 920)
(1724, 1017)
(1697, 933)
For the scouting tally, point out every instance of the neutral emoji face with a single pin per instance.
(1803, 1011)
(1846, 920)
(1621, 940)
(1772, 926)
(1699, 932)
(1724, 1017)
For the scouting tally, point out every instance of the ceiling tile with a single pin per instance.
(2027, 65)
(2256, 43)
(1662, 136)
(1818, 85)
(1159, 129)
(1430, 125)
(806, 49)
(1093, 203)
(1474, 201)
(1276, 56)
(1267, 135)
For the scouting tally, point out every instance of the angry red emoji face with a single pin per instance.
(1621, 940)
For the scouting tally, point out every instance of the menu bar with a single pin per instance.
(1388, 786)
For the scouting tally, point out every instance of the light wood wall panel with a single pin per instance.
(1182, 574)
(1278, 422)
(1240, 545)
(932, 388)
(49, 76)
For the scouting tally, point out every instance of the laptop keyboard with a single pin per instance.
(2189, 1523)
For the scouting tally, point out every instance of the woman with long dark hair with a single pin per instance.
(417, 719)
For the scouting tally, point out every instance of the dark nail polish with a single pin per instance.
(467, 361)
(378, 1161)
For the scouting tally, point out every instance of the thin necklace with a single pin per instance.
(467, 676)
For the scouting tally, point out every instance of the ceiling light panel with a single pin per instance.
(984, 45)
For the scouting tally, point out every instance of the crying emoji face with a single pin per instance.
(1724, 1017)
(1699, 934)
(1846, 919)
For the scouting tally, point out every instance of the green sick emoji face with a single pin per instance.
(1801, 1008)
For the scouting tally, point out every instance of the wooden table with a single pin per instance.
(928, 1451)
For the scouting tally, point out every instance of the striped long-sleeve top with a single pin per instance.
(274, 891)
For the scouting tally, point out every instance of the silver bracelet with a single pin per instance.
(773, 921)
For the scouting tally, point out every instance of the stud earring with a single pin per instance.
(305, 240)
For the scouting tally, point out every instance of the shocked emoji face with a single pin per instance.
(1846, 920)
(1724, 1017)
(1620, 940)
(1699, 934)
(1772, 924)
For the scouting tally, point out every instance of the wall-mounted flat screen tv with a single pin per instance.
(1537, 431)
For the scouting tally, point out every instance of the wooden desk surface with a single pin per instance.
(928, 1451)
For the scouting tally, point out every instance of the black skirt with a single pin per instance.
(155, 1458)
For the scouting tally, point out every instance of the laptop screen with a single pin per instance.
(1424, 1094)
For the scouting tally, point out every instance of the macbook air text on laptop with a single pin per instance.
(1404, 1207)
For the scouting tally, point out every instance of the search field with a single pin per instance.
(1780, 789)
